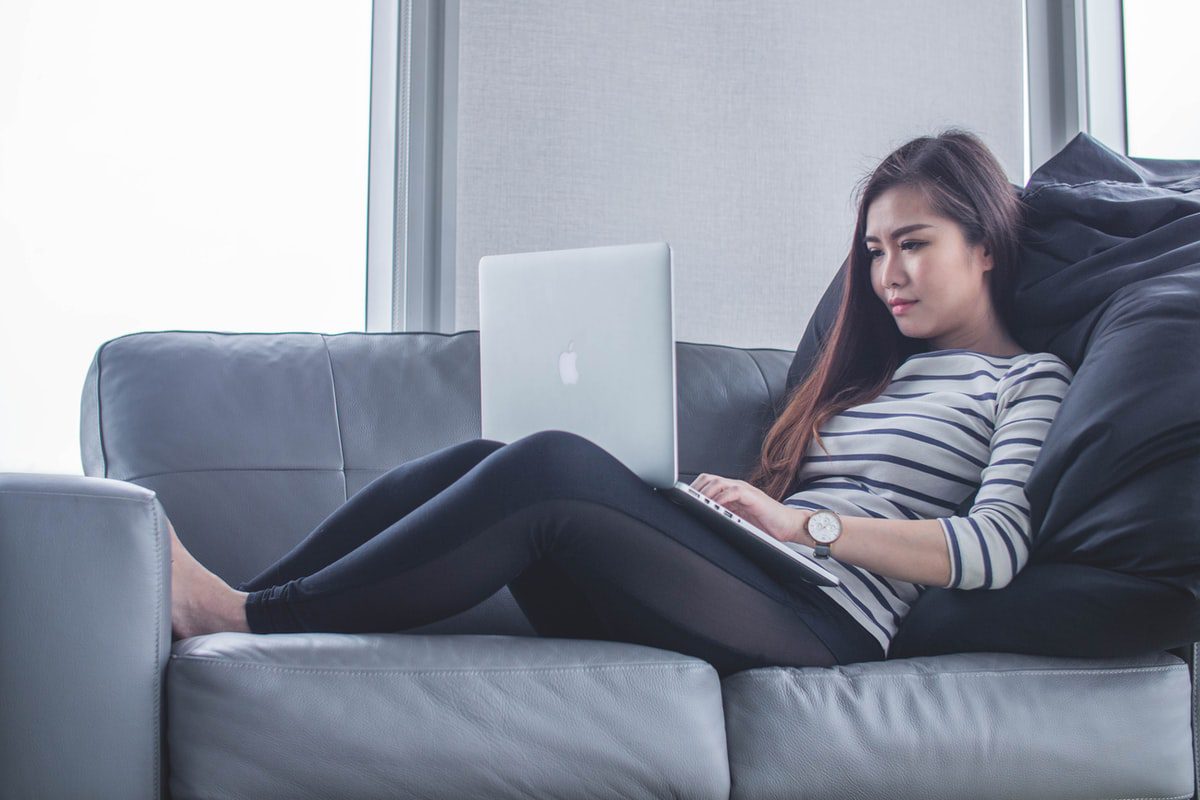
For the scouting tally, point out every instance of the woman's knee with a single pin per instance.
(555, 444)
(560, 458)
(484, 447)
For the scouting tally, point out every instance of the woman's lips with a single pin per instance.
(902, 308)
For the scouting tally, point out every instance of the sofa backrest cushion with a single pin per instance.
(250, 439)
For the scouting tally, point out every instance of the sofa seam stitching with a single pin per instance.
(518, 670)
(157, 743)
(84, 495)
(337, 419)
(100, 406)
(999, 673)
(288, 333)
(1195, 733)
(149, 475)
(766, 383)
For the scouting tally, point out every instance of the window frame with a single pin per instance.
(1075, 66)
(412, 171)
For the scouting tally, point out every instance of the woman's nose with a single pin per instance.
(892, 273)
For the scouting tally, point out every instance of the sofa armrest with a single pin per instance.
(1193, 659)
(1191, 654)
(85, 632)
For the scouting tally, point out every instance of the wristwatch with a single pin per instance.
(824, 527)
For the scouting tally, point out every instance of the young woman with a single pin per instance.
(919, 398)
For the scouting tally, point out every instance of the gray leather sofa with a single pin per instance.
(248, 440)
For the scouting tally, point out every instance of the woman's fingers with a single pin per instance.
(714, 487)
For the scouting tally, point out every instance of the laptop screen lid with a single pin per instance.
(583, 341)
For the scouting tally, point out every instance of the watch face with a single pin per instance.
(824, 526)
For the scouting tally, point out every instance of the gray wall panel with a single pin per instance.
(734, 130)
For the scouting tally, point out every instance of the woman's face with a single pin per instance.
(918, 255)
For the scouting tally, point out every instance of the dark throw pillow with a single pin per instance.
(1110, 283)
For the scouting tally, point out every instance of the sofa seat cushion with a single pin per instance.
(978, 725)
(320, 715)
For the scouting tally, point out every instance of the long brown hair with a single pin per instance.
(961, 180)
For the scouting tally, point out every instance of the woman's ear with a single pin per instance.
(986, 257)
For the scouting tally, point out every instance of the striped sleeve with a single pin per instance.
(991, 544)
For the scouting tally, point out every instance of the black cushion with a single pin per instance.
(1051, 610)
(1110, 283)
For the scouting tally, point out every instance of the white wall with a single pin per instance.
(170, 166)
(733, 130)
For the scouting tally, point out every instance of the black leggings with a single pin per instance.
(587, 548)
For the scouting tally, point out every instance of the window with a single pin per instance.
(1162, 73)
(171, 166)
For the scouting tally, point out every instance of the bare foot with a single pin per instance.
(200, 601)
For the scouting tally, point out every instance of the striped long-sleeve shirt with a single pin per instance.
(951, 422)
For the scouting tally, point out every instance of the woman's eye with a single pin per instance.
(906, 245)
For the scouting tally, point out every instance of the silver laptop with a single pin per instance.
(584, 341)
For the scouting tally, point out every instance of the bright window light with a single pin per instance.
(1162, 76)
(171, 166)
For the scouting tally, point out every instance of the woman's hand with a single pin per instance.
(785, 523)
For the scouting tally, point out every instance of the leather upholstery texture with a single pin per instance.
(978, 725)
(85, 632)
(247, 441)
(394, 715)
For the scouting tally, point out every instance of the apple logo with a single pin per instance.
(566, 364)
